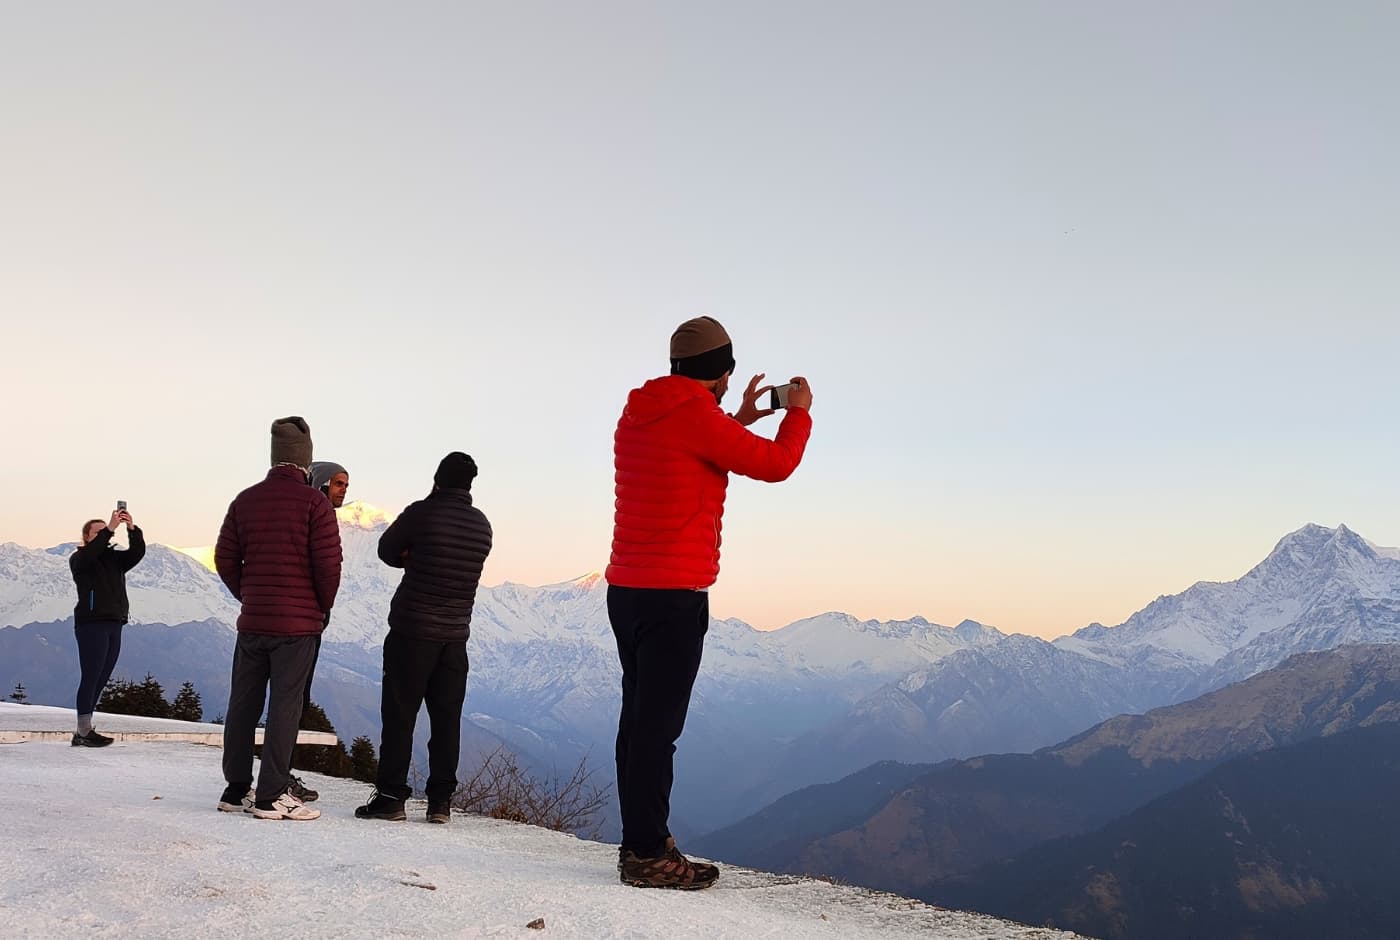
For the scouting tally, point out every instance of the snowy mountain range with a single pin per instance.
(813, 701)
(1319, 588)
(544, 672)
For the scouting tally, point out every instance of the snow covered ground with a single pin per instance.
(124, 841)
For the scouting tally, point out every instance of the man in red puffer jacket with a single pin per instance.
(279, 554)
(673, 452)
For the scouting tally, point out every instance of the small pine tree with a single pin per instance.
(318, 758)
(363, 764)
(19, 696)
(313, 718)
(153, 698)
(122, 697)
(187, 705)
(118, 697)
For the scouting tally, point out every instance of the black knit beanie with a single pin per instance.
(456, 472)
(700, 349)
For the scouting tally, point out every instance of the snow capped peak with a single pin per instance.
(361, 515)
(1315, 579)
(589, 581)
(1304, 541)
(1344, 537)
(1315, 549)
(972, 630)
(1299, 552)
(204, 554)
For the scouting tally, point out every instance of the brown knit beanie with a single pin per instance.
(291, 442)
(700, 349)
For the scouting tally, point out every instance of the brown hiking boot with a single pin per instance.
(668, 870)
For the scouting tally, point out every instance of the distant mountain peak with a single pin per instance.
(356, 515)
(361, 515)
(1315, 545)
(587, 582)
(204, 554)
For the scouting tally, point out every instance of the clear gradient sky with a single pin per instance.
(1096, 299)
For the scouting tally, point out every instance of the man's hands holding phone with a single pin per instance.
(798, 393)
(119, 516)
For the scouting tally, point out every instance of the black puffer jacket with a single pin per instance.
(441, 543)
(99, 573)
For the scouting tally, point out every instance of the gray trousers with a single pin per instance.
(281, 665)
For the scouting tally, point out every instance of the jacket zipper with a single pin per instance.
(92, 599)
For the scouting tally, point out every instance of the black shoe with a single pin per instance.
(439, 812)
(91, 739)
(237, 797)
(381, 807)
(301, 791)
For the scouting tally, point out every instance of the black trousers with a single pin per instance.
(99, 645)
(306, 699)
(311, 674)
(418, 671)
(262, 665)
(660, 636)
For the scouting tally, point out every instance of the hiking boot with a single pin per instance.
(301, 791)
(232, 802)
(381, 807)
(285, 806)
(91, 739)
(439, 812)
(668, 870)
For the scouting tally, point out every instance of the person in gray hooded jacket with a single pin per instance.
(333, 480)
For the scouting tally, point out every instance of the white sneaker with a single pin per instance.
(285, 806)
(239, 807)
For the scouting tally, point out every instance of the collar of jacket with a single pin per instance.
(287, 471)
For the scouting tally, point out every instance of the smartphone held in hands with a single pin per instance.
(121, 505)
(778, 396)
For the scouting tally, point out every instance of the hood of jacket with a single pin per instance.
(660, 397)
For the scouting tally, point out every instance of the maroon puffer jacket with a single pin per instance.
(279, 554)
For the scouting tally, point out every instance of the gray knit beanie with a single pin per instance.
(323, 470)
(291, 442)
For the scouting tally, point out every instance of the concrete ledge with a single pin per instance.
(214, 738)
(23, 723)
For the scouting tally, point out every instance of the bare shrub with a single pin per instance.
(502, 789)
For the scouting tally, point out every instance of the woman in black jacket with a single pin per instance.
(99, 573)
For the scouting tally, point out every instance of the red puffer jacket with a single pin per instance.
(279, 554)
(672, 453)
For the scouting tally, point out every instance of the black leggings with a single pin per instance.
(99, 644)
